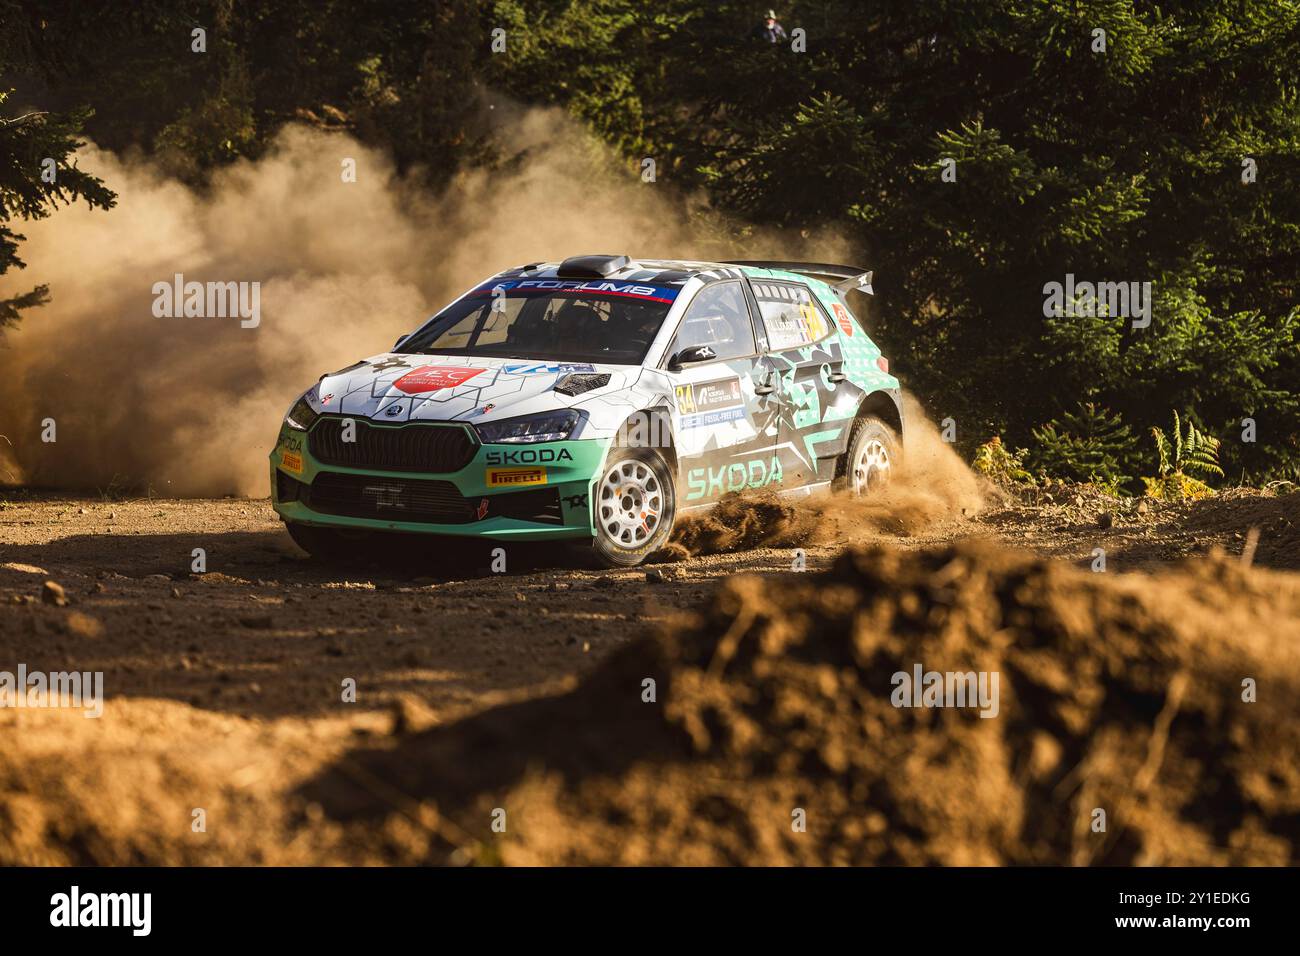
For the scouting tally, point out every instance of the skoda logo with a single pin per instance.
(392, 410)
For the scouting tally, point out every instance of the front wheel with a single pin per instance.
(635, 507)
(869, 465)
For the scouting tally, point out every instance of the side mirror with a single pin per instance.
(398, 344)
(693, 355)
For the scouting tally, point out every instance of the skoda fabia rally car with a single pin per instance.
(595, 398)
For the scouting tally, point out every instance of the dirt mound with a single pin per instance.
(123, 791)
(1276, 518)
(1113, 693)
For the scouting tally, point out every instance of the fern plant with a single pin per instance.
(1191, 452)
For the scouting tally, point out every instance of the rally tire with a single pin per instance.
(633, 507)
(872, 459)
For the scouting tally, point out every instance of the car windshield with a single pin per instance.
(566, 320)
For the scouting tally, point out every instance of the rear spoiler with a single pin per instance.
(843, 278)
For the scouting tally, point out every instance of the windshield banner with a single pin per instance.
(634, 290)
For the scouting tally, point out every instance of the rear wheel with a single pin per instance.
(873, 455)
(635, 507)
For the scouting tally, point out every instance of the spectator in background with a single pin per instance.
(769, 29)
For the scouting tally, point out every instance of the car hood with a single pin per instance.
(394, 387)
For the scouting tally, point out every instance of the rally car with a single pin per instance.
(595, 398)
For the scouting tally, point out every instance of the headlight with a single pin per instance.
(302, 415)
(552, 426)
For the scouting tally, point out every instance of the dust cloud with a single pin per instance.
(191, 406)
(932, 486)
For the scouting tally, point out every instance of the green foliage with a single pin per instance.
(27, 142)
(1190, 452)
(1177, 487)
(403, 74)
(1193, 451)
(1091, 444)
(1123, 165)
(1000, 464)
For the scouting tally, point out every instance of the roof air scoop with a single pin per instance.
(592, 267)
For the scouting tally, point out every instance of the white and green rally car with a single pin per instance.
(596, 398)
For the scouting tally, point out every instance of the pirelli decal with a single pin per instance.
(515, 477)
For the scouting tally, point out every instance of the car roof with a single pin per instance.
(652, 271)
(621, 268)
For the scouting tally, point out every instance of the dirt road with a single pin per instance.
(225, 690)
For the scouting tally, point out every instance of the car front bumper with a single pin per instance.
(539, 491)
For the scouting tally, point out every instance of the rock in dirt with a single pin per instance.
(52, 593)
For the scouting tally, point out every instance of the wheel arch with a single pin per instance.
(656, 424)
(887, 405)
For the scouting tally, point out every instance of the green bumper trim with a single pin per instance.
(569, 467)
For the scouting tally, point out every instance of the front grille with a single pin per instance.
(423, 499)
(286, 488)
(390, 499)
(415, 446)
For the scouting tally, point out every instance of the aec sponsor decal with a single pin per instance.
(737, 476)
(842, 317)
(515, 477)
(431, 378)
(529, 456)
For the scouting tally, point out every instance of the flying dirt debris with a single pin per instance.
(1119, 693)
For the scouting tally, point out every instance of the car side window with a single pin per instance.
(791, 316)
(719, 318)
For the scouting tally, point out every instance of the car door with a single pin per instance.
(813, 401)
(717, 420)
